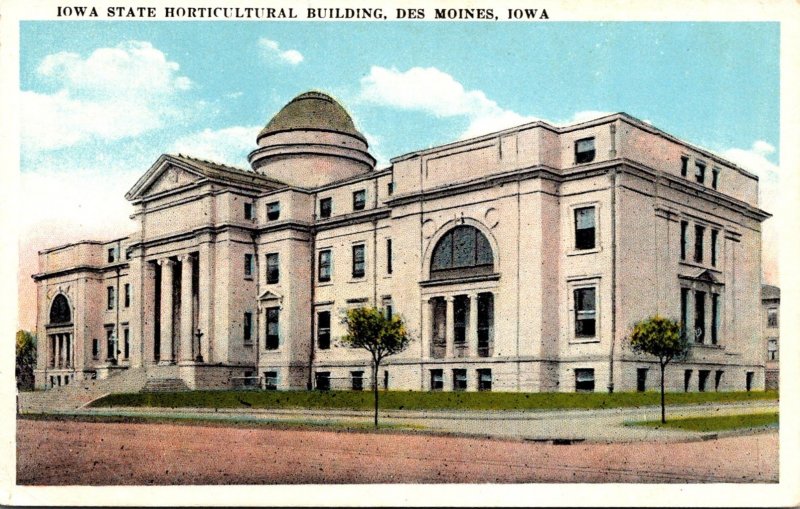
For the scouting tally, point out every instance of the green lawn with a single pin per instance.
(415, 400)
(226, 422)
(715, 423)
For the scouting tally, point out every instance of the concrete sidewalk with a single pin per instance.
(537, 425)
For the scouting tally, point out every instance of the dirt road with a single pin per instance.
(83, 453)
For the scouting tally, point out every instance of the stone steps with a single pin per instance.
(164, 385)
(71, 397)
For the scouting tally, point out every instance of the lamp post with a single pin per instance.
(199, 356)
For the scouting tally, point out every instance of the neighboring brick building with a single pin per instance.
(770, 324)
(519, 260)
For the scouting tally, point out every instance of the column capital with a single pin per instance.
(165, 261)
(450, 298)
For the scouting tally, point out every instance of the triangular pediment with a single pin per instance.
(268, 295)
(165, 175)
(704, 276)
(171, 178)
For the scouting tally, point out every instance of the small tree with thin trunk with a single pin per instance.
(662, 338)
(26, 359)
(381, 336)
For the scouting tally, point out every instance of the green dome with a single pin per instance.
(312, 111)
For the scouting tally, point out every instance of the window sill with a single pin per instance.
(707, 345)
(247, 345)
(583, 341)
(696, 265)
(269, 351)
(324, 283)
(577, 252)
(248, 278)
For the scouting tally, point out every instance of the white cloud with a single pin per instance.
(113, 93)
(435, 92)
(272, 51)
(755, 160)
(585, 116)
(229, 145)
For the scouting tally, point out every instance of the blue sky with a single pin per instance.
(100, 101)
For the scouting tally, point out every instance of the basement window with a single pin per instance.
(584, 380)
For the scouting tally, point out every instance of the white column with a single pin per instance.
(448, 324)
(205, 301)
(166, 310)
(187, 312)
(472, 330)
(427, 327)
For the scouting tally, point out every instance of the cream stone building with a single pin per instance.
(519, 260)
(770, 315)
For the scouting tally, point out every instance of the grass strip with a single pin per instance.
(326, 425)
(714, 423)
(417, 400)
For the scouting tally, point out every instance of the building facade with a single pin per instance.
(519, 260)
(770, 323)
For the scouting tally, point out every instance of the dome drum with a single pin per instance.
(311, 141)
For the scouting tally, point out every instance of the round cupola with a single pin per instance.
(310, 142)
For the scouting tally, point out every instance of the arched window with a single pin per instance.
(462, 251)
(59, 310)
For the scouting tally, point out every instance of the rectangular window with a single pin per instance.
(358, 260)
(390, 188)
(584, 228)
(110, 344)
(584, 380)
(699, 317)
(385, 380)
(247, 326)
(273, 268)
(460, 310)
(485, 324)
(324, 330)
(585, 312)
(323, 380)
(112, 255)
(386, 302)
(641, 379)
(684, 309)
(584, 151)
(111, 297)
(714, 318)
(772, 317)
(388, 256)
(484, 379)
(126, 350)
(684, 166)
(702, 379)
(325, 207)
(700, 172)
(714, 178)
(357, 380)
(324, 266)
(772, 349)
(248, 265)
(437, 379)
(273, 339)
(699, 233)
(748, 384)
(248, 211)
(717, 379)
(271, 380)
(714, 237)
(359, 199)
(95, 348)
(684, 238)
(459, 379)
(273, 211)
(127, 295)
(687, 379)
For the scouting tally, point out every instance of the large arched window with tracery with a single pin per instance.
(59, 310)
(462, 251)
